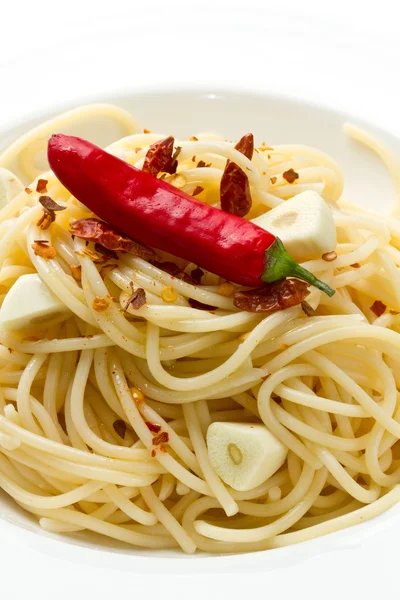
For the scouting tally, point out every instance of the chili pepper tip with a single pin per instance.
(279, 265)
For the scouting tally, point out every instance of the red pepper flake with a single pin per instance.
(329, 256)
(161, 438)
(394, 312)
(174, 270)
(105, 252)
(290, 176)
(273, 296)
(10, 350)
(145, 130)
(120, 428)
(200, 306)
(201, 164)
(153, 427)
(197, 274)
(28, 190)
(197, 190)
(273, 180)
(307, 309)
(41, 186)
(95, 230)
(42, 248)
(137, 299)
(235, 188)
(162, 449)
(356, 265)
(378, 308)
(153, 453)
(193, 158)
(193, 138)
(49, 211)
(160, 158)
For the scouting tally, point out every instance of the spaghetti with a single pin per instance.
(103, 415)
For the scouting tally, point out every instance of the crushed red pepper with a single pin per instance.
(28, 190)
(154, 428)
(378, 308)
(160, 157)
(197, 190)
(356, 265)
(137, 299)
(44, 249)
(273, 180)
(290, 176)
(120, 428)
(273, 296)
(94, 230)
(160, 438)
(41, 186)
(235, 188)
(307, 309)
(49, 211)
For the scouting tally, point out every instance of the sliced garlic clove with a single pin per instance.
(30, 303)
(305, 224)
(244, 455)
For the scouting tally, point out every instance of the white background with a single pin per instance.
(338, 53)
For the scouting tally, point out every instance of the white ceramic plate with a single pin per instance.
(92, 561)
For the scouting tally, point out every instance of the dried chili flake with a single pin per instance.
(137, 299)
(145, 130)
(273, 180)
(161, 438)
(154, 428)
(41, 186)
(307, 309)
(105, 252)
(10, 350)
(378, 308)
(290, 175)
(356, 265)
(100, 304)
(200, 305)
(197, 274)
(394, 312)
(193, 138)
(197, 190)
(28, 190)
(201, 164)
(107, 269)
(273, 296)
(49, 211)
(120, 428)
(44, 249)
(174, 270)
(193, 158)
(153, 453)
(94, 230)
(76, 272)
(329, 256)
(159, 157)
(235, 188)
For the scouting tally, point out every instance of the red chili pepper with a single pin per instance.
(156, 213)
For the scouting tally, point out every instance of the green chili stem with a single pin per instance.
(279, 265)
